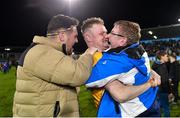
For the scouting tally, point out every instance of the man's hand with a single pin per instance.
(155, 79)
(171, 97)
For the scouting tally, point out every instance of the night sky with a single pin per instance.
(22, 19)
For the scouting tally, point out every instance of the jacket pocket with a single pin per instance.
(56, 109)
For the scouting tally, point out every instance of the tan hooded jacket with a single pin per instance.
(46, 81)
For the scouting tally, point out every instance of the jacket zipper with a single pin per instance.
(56, 109)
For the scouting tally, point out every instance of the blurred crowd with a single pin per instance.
(167, 66)
(170, 46)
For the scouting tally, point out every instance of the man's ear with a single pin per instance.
(87, 37)
(124, 42)
(61, 36)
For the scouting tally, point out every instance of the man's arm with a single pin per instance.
(123, 93)
(62, 69)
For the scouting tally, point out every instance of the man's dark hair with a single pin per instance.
(160, 53)
(61, 22)
(173, 54)
(88, 23)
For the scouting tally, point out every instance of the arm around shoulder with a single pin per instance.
(123, 93)
(55, 67)
(73, 72)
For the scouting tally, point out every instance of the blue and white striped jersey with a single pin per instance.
(129, 69)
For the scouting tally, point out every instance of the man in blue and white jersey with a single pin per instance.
(127, 62)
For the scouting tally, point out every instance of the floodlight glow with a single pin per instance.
(70, 4)
(150, 32)
(70, 1)
(179, 19)
(7, 49)
(155, 37)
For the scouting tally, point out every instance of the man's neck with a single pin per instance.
(162, 61)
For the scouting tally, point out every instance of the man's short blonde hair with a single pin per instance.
(88, 23)
(131, 30)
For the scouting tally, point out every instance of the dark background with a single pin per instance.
(22, 19)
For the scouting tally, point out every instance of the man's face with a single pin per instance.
(99, 36)
(165, 58)
(71, 40)
(116, 38)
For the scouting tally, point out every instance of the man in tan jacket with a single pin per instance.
(47, 76)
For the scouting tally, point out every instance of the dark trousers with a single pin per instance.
(153, 111)
(164, 104)
(175, 90)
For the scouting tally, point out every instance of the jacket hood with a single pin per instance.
(47, 41)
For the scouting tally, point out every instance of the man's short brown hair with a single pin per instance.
(131, 30)
(61, 21)
(160, 53)
(88, 23)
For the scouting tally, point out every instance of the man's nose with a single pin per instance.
(108, 38)
(108, 35)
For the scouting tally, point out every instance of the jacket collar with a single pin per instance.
(120, 49)
(46, 41)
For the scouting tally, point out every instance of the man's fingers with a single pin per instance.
(151, 81)
(154, 82)
(156, 77)
(159, 80)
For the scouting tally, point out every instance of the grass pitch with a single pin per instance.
(87, 108)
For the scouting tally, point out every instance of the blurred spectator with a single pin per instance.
(5, 67)
(173, 72)
(164, 89)
(1, 66)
